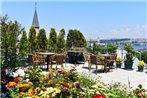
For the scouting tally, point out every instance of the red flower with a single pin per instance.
(99, 96)
(16, 79)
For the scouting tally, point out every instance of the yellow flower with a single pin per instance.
(30, 92)
(11, 84)
(57, 90)
(119, 59)
(141, 63)
(49, 82)
(22, 93)
(26, 85)
(74, 88)
(20, 85)
(30, 83)
(61, 83)
(57, 84)
(53, 72)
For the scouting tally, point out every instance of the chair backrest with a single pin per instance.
(60, 58)
(86, 57)
(100, 60)
(93, 59)
(113, 57)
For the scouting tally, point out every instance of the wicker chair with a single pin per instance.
(93, 61)
(59, 59)
(35, 59)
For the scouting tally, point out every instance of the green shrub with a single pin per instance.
(144, 56)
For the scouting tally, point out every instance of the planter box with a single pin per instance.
(140, 68)
(118, 65)
(128, 65)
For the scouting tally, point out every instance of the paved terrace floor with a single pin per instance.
(115, 75)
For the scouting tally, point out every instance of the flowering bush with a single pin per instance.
(119, 60)
(141, 63)
(62, 83)
(140, 92)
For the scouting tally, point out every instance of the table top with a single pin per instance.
(105, 55)
(75, 51)
(46, 53)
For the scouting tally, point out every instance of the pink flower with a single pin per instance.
(99, 96)
(140, 94)
(77, 84)
(60, 71)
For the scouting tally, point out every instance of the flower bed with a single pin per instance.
(62, 83)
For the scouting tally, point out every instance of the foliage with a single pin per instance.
(140, 92)
(95, 49)
(33, 74)
(116, 90)
(32, 39)
(62, 84)
(75, 39)
(129, 57)
(61, 41)
(9, 42)
(128, 47)
(144, 56)
(23, 45)
(112, 48)
(130, 52)
(41, 40)
(52, 40)
(141, 63)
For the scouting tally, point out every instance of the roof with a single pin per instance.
(35, 20)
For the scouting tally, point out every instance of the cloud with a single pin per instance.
(137, 31)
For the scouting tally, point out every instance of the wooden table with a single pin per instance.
(48, 57)
(105, 60)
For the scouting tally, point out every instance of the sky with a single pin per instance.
(96, 19)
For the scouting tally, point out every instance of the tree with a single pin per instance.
(23, 45)
(75, 39)
(9, 42)
(61, 40)
(32, 39)
(111, 48)
(52, 40)
(41, 40)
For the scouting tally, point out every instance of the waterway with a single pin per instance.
(136, 47)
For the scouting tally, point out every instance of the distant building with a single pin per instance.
(115, 41)
(35, 22)
(106, 41)
(93, 41)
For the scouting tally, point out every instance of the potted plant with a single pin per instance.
(141, 65)
(129, 61)
(118, 62)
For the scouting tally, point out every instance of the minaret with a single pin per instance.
(35, 22)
